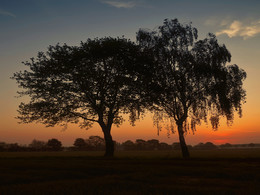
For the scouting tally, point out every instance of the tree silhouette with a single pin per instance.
(96, 142)
(37, 145)
(190, 78)
(80, 143)
(83, 85)
(164, 146)
(140, 144)
(153, 144)
(226, 145)
(128, 145)
(54, 144)
(206, 146)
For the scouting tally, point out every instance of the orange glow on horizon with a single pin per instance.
(221, 141)
(243, 130)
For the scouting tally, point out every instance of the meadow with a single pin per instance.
(131, 172)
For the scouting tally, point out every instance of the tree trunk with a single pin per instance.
(109, 142)
(184, 148)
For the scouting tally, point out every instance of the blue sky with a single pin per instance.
(29, 26)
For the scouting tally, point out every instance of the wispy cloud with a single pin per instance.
(240, 29)
(6, 13)
(214, 21)
(121, 4)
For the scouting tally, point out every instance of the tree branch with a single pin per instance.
(83, 117)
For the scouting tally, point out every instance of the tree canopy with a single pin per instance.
(81, 84)
(54, 144)
(190, 77)
(168, 71)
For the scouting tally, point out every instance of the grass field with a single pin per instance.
(154, 172)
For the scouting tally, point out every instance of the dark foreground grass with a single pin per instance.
(130, 173)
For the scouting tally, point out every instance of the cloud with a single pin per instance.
(6, 13)
(233, 30)
(214, 21)
(121, 4)
(239, 29)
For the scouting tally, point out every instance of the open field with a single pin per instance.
(154, 172)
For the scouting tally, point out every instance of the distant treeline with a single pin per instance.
(97, 143)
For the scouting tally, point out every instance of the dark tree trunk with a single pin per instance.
(109, 142)
(184, 148)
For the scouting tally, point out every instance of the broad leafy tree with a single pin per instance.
(84, 85)
(80, 143)
(54, 144)
(190, 80)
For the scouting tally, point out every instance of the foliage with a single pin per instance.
(96, 142)
(128, 145)
(71, 83)
(153, 143)
(190, 78)
(54, 145)
(169, 71)
(206, 146)
(84, 84)
(226, 145)
(80, 143)
(38, 145)
(142, 145)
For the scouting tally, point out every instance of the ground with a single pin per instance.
(153, 172)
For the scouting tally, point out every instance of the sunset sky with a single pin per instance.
(29, 26)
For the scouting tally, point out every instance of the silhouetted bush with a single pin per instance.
(206, 146)
(226, 145)
(251, 145)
